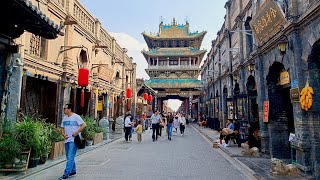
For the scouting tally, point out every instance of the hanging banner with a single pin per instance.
(266, 111)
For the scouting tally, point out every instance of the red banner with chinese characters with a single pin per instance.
(266, 111)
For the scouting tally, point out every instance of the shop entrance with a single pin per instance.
(281, 121)
(41, 99)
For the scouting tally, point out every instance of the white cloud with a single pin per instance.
(134, 50)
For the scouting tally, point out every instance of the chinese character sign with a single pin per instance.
(268, 21)
(266, 111)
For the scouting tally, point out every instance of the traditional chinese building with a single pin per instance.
(265, 53)
(173, 58)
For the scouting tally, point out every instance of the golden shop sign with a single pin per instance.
(105, 73)
(268, 21)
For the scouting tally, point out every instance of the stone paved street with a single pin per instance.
(188, 157)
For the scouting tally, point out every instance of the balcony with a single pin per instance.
(182, 67)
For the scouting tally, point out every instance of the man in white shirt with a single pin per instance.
(72, 125)
(155, 120)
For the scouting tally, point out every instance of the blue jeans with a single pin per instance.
(169, 130)
(71, 150)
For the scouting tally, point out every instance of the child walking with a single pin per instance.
(139, 131)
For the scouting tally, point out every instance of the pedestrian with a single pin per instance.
(72, 125)
(175, 124)
(182, 124)
(161, 125)
(139, 129)
(128, 126)
(229, 131)
(169, 126)
(155, 120)
(131, 119)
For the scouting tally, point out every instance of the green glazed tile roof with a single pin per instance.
(173, 83)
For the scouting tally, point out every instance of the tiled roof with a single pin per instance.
(22, 16)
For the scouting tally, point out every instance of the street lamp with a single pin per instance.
(235, 77)
(282, 44)
(251, 67)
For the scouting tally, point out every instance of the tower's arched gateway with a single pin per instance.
(173, 58)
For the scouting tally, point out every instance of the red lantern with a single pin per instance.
(150, 98)
(128, 92)
(145, 96)
(83, 77)
(82, 98)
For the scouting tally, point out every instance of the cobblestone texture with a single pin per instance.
(187, 157)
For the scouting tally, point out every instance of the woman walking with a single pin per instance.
(182, 124)
(176, 124)
(169, 126)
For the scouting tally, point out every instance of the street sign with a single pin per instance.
(284, 78)
(266, 111)
(268, 21)
(295, 94)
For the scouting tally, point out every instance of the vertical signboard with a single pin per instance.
(266, 111)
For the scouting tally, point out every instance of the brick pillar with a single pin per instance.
(264, 132)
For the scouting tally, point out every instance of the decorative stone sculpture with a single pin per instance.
(104, 123)
(246, 151)
(277, 167)
(119, 125)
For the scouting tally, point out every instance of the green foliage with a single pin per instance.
(89, 131)
(27, 132)
(34, 133)
(101, 130)
(10, 148)
(44, 138)
(7, 126)
(55, 135)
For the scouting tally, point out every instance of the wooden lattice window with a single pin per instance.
(35, 44)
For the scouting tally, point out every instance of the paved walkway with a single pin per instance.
(185, 157)
(51, 163)
(259, 165)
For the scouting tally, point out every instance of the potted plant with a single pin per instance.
(89, 131)
(98, 136)
(45, 143)
(10, 148)
(57, 143)
(89, 137)
(26, 130)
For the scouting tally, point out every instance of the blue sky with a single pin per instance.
(127, 19)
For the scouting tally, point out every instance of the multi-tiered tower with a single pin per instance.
(173, 58)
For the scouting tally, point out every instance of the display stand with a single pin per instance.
(22, 169)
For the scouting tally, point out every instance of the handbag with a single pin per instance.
(80, 143)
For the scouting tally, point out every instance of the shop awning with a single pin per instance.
(17, 16)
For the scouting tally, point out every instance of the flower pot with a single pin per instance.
(33, 162)
(57, 150)
(98, 138)
(43, 159)
(89, 142)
